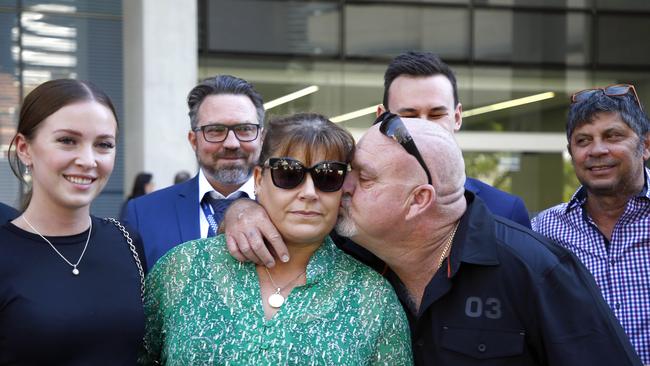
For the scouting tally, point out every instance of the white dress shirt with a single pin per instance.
(205, 186)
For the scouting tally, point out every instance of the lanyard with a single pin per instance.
(209, 215)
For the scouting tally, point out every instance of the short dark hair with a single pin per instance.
(308, 132)
(44, 101)
(223, 84)
(625, 105)
(417, 64)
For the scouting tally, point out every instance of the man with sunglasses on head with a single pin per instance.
(421, 85)
(607, 221)
(477, 289)
(226, 118)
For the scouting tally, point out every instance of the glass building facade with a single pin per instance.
(44, 40)
(501, 50)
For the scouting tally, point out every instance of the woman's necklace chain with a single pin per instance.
(75, 271)
(445, 251)
(276, 299)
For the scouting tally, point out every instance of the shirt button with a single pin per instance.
(420, 343)
(482, 347)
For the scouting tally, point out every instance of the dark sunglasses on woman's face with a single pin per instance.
(393, 127)
(288, 173)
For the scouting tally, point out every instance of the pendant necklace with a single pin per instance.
(276, 300)
(75, 271)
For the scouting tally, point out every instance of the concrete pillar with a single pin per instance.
(160, 68)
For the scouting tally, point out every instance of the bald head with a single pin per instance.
(386, 197)
(439, 150)
(442, 156)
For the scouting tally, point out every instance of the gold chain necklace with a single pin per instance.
(450, 239)
(276, 299)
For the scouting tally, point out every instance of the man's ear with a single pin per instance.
(257, 178)
(458, 117)
(191, 137)
(380, 110)
(568, 147)
(646, 147)
(420, 200)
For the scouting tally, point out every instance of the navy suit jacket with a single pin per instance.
(7, 213)
(166, 218)
(499, 202)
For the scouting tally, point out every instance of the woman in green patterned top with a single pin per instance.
(320, 308)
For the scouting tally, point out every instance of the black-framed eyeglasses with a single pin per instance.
(393, 127)
(288, 173)
(615, 90)
(244, 132)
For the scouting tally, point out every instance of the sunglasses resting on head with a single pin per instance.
(392, 126)
(288, 173)
(616, 90)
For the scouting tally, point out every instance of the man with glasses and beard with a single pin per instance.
(226, 119)
(607, 221)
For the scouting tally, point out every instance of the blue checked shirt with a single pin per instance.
(621, 267)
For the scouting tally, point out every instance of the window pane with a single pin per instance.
(423, 1)
(531, 37)
(623, 4)
(576, 4)
(622, 40)
(378, 30)
(273, 27)
(9, 101)
(75, 6)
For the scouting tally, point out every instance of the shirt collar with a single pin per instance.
(645, 192)
(205, 187)
(474, 241)
(580, 196)
(323, 261)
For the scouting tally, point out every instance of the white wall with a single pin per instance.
(160, 68)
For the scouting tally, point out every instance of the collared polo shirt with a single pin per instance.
(620, 266)
(511, 298)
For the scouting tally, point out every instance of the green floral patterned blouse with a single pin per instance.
(204, 308)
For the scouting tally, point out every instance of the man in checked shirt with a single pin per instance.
(607, 221)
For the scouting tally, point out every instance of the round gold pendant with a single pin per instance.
(276, 300)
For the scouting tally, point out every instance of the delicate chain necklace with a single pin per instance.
(75, 271)
(276, 299)
(450, 239)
